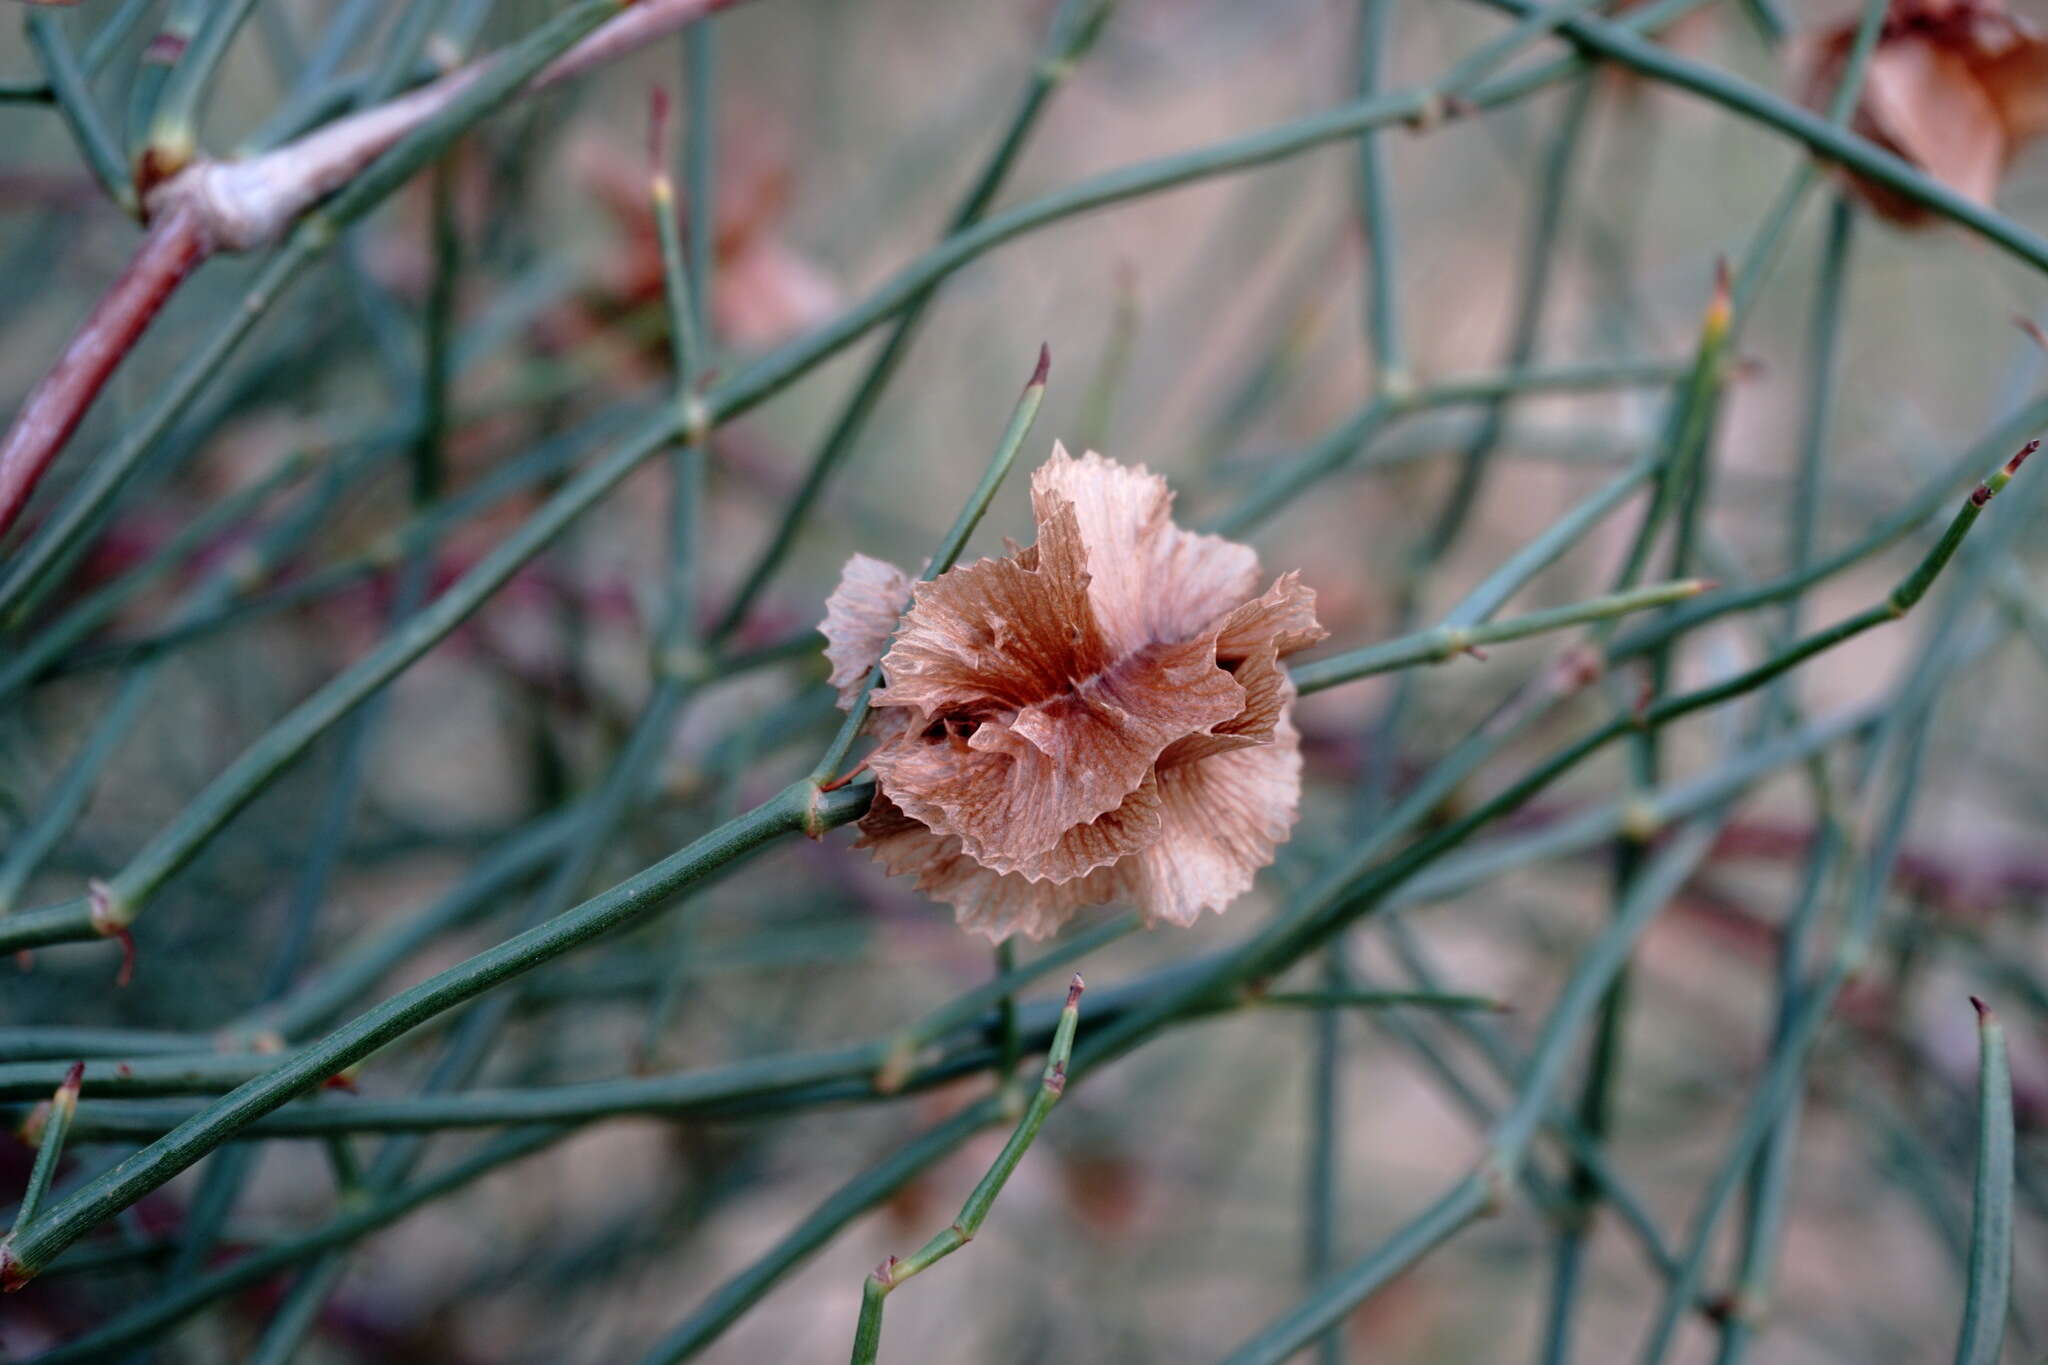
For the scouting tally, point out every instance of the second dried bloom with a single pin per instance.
(1099, 716)
(1956, 87)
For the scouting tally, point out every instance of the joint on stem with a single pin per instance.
(814, 825)
(684, 664)
(111, 917)
(1640, 819)
(696, 418)
(1398, 388)
(1498, 1175)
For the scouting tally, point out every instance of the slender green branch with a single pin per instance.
(887, 1277)
(951, 545)
(1075, 27)
(1983, 1330)
(69, 86)
(1444, 643)
(796, 807)
(1480, 1192)
(49, 1145)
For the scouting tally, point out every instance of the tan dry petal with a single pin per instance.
(1009, 789)
(860, 616)
(1926, 101)
(987, 902)
(1224, 818)
(1250, 642)
(1150, 581)
(998, 634)
(1284, 618)
(2016, 78)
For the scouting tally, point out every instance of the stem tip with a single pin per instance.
(1044, 367)
(657, 129)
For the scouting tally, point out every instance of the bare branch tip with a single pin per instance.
(13, 1274)
(657, 129)
(2012, 466)
(1044, 367)
(1074, 989)
(1984, 1014)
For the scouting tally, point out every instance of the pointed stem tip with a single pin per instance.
(1044, 367)
(1722, 304)
(657, 130)
(1984, 1013)
(2012, 466)
(1074, 989)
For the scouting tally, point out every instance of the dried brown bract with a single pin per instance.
(1956, 87)
(1100, 716)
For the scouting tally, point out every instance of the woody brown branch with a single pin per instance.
(208, 206)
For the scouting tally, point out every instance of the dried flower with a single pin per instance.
(764, 291)
(1956, 87)
(1100, 716)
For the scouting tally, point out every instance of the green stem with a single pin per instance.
(950, 546)
(1983, 1330)
(49, 1147)
(1443, 643)
(71, 88)
(1075, 27)
(794, 808)
(867, 1337)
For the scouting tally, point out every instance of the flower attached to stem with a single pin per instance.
(1956, 87)
(1100, 716)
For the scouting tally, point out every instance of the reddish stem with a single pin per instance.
(171, 249)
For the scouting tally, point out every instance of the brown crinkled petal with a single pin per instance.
(2016, 78)
(860, 616)
(1284, 618)
(1150, 581)
(984, 901)
(998, 634)
(1011, 790)
(1250, 642)
(1224, 818)
(1926, 101)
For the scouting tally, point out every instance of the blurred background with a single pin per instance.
(1209, 332)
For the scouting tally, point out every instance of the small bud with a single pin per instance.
(65, 1102)
(1721, 307)
(1074, 989)
(1044, 367)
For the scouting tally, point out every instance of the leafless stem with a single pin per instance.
(211, 206)
(174, 244)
